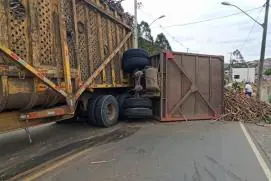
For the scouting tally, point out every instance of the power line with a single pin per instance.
(210, 19)
(167, 33)
(172, 37)
(248, 37)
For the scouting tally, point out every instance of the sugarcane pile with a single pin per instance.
(239, 107)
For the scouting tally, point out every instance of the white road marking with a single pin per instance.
(104, 161)
(263, 164)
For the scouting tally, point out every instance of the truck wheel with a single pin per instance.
(80, 112)
(107, 111)
(121, 98)
(138, 113)
(135, 53)
(135, 102)
(91, 110)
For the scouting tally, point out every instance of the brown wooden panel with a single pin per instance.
(203, 83)
(173, 76)
(192, 86)
(188, 64)
(217, 84)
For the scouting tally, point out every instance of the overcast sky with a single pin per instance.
(218, 37)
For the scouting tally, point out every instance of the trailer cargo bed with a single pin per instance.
(52, 51)
(191, 86)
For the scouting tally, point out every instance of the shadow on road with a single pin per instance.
(18, 140)
(66, 150)
(50, 141)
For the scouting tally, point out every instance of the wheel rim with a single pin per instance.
(111, 111)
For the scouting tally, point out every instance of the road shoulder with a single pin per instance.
(261, 136)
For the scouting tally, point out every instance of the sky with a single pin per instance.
(218, 37)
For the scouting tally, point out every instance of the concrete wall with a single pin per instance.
(243, 74)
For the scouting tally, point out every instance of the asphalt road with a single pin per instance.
(195, 151)
(49, 141)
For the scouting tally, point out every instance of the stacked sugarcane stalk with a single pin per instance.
(239, 107)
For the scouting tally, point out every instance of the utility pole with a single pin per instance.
(265, 26)
(135, 26)
(230, 68)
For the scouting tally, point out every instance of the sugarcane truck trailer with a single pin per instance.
(66, 58)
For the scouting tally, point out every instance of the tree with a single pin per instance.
(238, 60)
(144, 31)
(116, 5)
(238, 57)
(145, 39)
(162, 42)
(267, 72)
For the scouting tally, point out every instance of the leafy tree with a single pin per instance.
(238, 60)
(116, 5)
(145, 39)
(267, 72)
(162, 42)
(144, 31)
(148, 46)
(237, 56)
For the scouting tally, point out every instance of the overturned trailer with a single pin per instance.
(52, 52)
(64, 58)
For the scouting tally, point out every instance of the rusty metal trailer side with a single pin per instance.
(54, 53)
(191, 86)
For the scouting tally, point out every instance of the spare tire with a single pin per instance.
(137, 102)
(134, 63)
(138, 113)
(130, 53)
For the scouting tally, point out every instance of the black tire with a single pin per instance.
(121, 98)
(107, 111)
(138, 113)
(135, 53)
(135, 102)
(80, 112)
(134, 63)
(91, 110)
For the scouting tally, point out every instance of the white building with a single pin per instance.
(243, 74)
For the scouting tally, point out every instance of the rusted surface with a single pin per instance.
(46, 113)
(191, 86)
(101, 68)
(62, 42)
(9, 121)
(51, 51)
